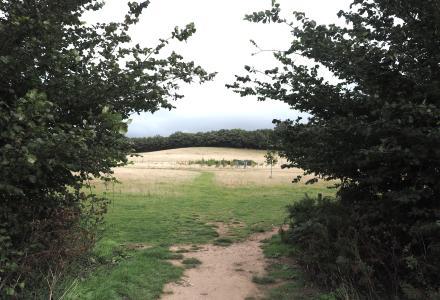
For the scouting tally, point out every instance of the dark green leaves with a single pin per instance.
(376, 129)
(66, 89)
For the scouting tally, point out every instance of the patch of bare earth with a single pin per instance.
(225, 272)
(138, 246)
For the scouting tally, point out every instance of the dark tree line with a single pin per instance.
(233, 138)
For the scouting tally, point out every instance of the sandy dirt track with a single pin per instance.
(225, 272)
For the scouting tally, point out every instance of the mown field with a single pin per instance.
(162, 201)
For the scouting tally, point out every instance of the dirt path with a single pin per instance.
(225, 272)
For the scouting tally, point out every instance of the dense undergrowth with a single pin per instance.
(362, 253)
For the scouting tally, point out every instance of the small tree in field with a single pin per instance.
(376, 128)
(271, 159)
(66, 89)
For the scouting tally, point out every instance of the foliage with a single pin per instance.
(65, 90)
(275, 248)
(341, 247)
(325, 242)
(233, 138)
(376, 127)
(271, 159)
(290, 280)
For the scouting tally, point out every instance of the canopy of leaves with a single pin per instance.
(66, 88)
(271, 157)
(375, 125)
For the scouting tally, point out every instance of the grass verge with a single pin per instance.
(162, 220)
(282, 270)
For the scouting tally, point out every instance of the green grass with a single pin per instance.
(263, 279)
(191, 262)
(223, 242)
(275, 248)
(141, 276)
(160, 221)
(283, 270)
(182, 251)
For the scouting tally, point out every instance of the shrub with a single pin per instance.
(363, 252)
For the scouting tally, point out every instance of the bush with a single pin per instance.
(361, 252)
(35, 255)
(63, 123)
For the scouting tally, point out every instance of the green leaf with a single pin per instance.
(31, 158)
(10, 291)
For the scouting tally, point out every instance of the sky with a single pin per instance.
(221, 44)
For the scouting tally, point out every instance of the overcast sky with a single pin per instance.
(221, 44)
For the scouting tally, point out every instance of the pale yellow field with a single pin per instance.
(150, 181)
(149, 172)
(178, 158)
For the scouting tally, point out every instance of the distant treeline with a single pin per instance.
(233, 138)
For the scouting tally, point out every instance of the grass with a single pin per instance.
(161, 220)
(191, 262)
(283, 270)
(275, 248)
(223, 242)
(263, 279)
(141, 276)
(182, 251)
(182, 219)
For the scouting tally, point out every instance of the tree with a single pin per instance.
(376, 128)
(235, 138)
(271, 159)
(66, 89)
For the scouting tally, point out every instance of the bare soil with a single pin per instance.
(225, 272)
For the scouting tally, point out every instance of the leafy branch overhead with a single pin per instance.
(379, 62)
